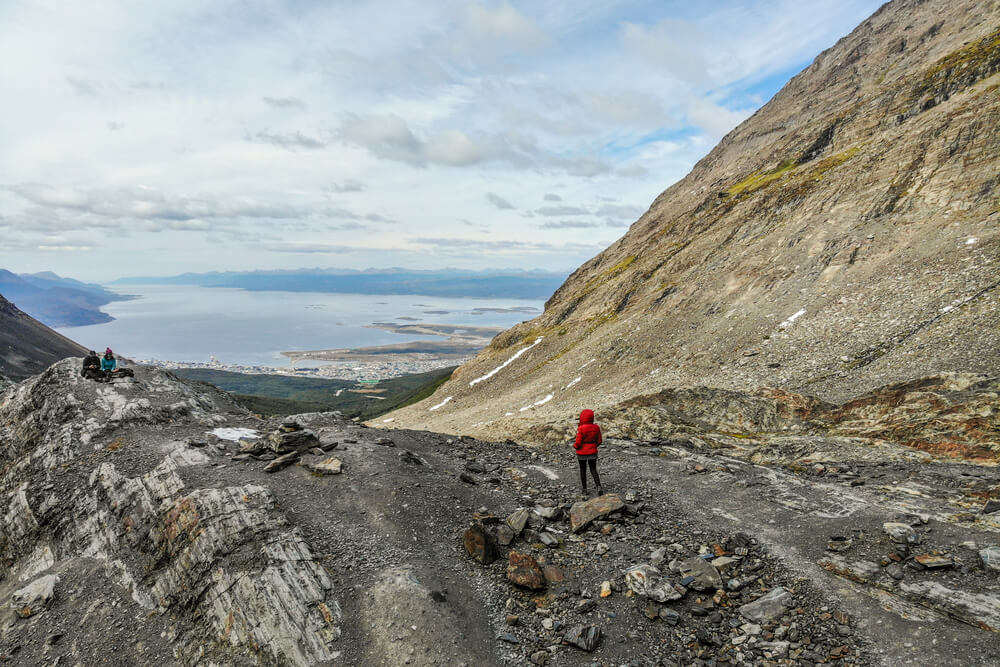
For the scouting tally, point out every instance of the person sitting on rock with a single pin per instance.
(588, 439)
(108, 365)
(91, 366)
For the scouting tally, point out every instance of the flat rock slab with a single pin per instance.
(860, 571)
(769, 608)
(934, 561)
(523, 570)
(282, 462)
(330, 466)
(283, 441)
(582, 513)
(979, 609)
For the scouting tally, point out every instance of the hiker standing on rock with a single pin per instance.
(588, 439)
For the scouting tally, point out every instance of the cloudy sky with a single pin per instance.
(151, 138)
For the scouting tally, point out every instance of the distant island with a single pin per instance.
(440, 283)
(57, 301)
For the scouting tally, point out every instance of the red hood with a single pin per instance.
(587, 417)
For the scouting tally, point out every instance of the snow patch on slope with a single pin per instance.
(791, 320)
(505, 364)
(441, 404)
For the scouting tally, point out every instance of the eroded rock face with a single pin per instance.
(220, 564)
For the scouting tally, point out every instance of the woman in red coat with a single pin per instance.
(588, 439)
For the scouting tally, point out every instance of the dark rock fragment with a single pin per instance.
(282, 462)
(284, 441)
(481, 544)
(585, 637)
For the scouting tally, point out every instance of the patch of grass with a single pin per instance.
(115, 445)
(620, 266)
(282, 395)
(975, 55)
(606, 274)
(761, 178)
(833, 161)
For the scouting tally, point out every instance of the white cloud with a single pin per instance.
(288, 140)
(284, 102)
(205, 135)
(499, 202)
(347, 185)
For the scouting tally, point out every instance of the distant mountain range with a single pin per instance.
(443, 283)
(56, 301)
(27, 346)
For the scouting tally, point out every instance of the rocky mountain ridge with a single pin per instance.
(842, 239)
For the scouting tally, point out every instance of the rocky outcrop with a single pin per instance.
(843, 238)
(93, 473)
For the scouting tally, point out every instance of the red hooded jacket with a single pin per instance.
(588, 435)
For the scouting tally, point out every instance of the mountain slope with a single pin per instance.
(27, 346)
(842, 238)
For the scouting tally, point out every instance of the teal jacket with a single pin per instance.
(108, 364)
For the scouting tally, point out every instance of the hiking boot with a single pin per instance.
(600, 491)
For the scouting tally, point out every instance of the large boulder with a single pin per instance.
(481, 543)
(705, 576)
(581, 514)
(523, 570)
(284, 441)
(649, 582)
(768, 608)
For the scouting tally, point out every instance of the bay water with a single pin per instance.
(188, 323)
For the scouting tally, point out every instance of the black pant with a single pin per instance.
(593, 472)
